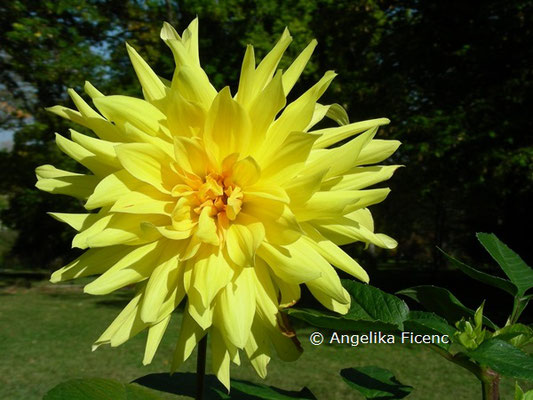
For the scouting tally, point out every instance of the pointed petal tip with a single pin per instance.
(98, 343)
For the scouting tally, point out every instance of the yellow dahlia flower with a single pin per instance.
(226, 202)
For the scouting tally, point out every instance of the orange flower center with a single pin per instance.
(215, 195)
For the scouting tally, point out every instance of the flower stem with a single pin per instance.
(490, 381)
(200, 368)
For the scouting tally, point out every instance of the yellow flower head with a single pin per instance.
(228, 203)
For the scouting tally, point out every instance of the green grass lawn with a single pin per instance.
(46, 336)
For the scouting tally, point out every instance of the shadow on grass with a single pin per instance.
(184, 383)
(115, 303)
(117, 299)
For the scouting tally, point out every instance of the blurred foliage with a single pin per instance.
(454, 77)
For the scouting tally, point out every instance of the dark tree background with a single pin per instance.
(454, 77)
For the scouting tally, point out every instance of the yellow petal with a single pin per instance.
(137, 112)
(56, 181)
(76, 221)
(264, 109)
(210, 273)
(184, 117)
(367, 198)
(301, 188)
(194, 85)
(267, 66)
(297, 114)
(81, 105)
(162, 281)
(92, 262)
(83, 156)
(98, 223)
(246, 172)
(125, 229)
(246, 81)
(334, 135)
(148, 164)
(266, 294)
(327, 205)
(190, 41)
(112, 188)
(258, 193)
(329, 302)
(328, 282)
(190, 155)
(333, 253)
(280, 224)
(227, 128)
(376, 151)
(102, 149)
(346, 229)
(153, 88)
(290, 293)
(146, 200)
(289, 158)
(136, 266)
(257, 349)
(345, 156)
(91, 90)
(287, 263)
(334, 111)
(240, 244)
(296, 68)
(155, 334)
(207, 228)
(103, 128)
(202, 315)
(360, 177)
(190, 335)
(220, 358)
(235, 308)
(185, 50)
(125, 326)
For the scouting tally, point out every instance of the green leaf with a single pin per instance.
(99, 389)
(520, 305)
(371, 304)
(375, 383)
(328, 320)
(442, 302)
(184, 384)
(371, 309)
(520, 395)
(504, 358)
(518, 335)
(491, 280)
(514, 267)
(427, 323)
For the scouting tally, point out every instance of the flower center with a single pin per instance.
(222, 198)
(211, 203)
